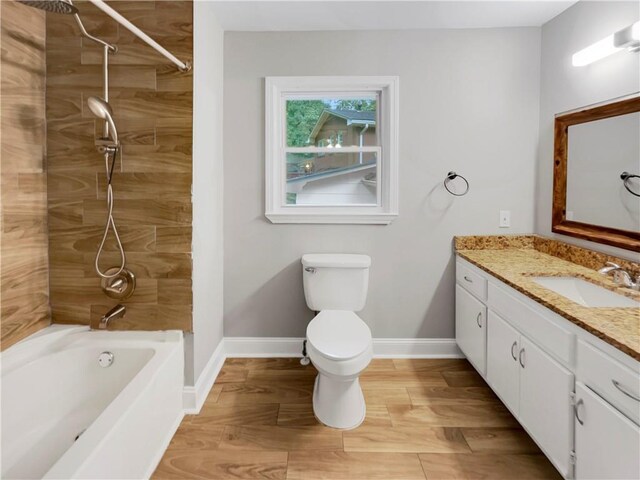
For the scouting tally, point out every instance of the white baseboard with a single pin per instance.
(263, 347)
(278, 347)
(416, 348)
(193, 397)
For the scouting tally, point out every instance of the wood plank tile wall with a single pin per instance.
(23, 202)
(152, 103)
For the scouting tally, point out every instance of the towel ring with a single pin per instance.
(626, 176)
(451, 176)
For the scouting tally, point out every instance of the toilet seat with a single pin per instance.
(339, 335)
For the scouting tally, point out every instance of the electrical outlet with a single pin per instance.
(505, 218)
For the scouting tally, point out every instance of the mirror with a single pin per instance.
(597, 174)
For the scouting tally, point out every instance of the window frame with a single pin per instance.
(277, 90)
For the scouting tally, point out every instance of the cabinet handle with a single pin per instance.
(624, 390)
(478, 319)
(468, 279)
(515, 345)
(576, 413)
(520, 358)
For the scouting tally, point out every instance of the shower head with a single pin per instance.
(101, 109)
(53, 6)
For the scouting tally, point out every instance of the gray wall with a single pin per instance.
(565, 87)
(207, 189)
(469, 102)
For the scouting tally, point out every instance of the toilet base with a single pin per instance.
(338, 403)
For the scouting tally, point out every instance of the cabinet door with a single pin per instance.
(471, 328)
(545, 403)
(607, 442)
(503, 370)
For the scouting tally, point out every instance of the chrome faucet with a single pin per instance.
(116, 312)
(621, 276)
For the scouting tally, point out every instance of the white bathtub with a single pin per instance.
(53, 390)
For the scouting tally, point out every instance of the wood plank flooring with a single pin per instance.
(426, 419)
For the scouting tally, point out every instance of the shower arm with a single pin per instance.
(108, 46)
(183, 66)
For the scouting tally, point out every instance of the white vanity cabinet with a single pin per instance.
(607, 442)
(545, 403)
(471, 332)
(549, 373)
(536, 389)
(503, 370)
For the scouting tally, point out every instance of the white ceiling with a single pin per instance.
(305, 15)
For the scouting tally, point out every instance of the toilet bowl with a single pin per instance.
(340, 347)
(339, 343)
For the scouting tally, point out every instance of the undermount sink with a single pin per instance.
(585, 293)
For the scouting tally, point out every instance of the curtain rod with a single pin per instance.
(184, 66)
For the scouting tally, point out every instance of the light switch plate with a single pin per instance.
(505, 218)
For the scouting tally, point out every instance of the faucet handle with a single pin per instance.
(609, 267)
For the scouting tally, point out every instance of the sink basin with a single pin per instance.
(585, 293)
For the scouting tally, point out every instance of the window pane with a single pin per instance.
(331, 179)
(332, 122)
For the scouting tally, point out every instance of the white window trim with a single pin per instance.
(275, 141)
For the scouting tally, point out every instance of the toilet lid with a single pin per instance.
(338, 334)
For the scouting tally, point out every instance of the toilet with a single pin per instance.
(338, 341)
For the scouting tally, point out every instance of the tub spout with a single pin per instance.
(116, 312)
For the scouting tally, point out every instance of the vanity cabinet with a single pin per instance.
(607, 443)
(580, 403)
(503, 370)
(471, 332)
(546, 389)
(536, 389)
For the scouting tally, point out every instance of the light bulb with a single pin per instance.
(595, 52)
(628, 38)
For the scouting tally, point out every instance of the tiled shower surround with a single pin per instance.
(152, 104)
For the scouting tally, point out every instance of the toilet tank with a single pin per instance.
(335, 281)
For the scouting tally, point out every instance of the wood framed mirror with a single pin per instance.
(596, 176)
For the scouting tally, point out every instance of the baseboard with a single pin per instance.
(263, 347)
(382, 347)
(278, 347)
(193, 397)
(416, 348)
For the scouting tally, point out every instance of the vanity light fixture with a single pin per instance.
(628, 38)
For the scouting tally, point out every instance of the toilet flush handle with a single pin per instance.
(310, 269)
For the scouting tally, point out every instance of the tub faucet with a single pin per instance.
(620, 276)
(116, 312)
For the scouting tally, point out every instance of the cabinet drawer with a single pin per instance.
(471, 281)
(556, 340)
(599, 371)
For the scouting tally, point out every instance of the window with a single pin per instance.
(331, 149)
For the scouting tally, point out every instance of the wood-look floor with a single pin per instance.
(426, 419)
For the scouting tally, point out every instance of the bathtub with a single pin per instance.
(66, 416)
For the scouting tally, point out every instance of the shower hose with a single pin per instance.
(110, 224)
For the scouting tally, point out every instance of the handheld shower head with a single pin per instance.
(53, 6)
(101, 109)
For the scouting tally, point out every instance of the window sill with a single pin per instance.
(329, 218)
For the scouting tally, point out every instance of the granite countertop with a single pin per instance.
(514, 260)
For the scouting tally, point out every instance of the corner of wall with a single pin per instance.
(207, 194)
